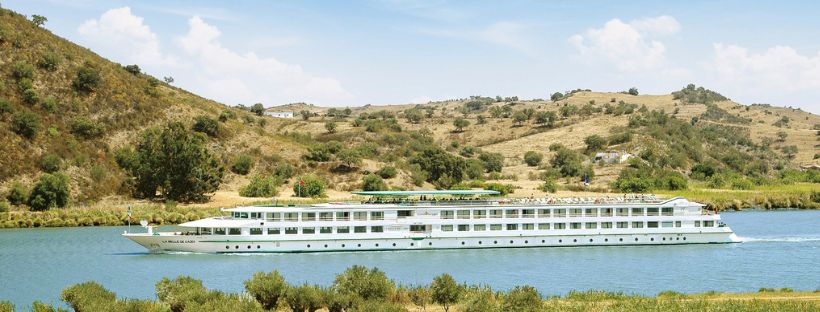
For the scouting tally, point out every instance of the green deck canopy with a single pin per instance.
(430, 192)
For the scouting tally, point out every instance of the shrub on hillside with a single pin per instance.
(22, 70)
(549, 185)
(567, 161)
(387, 172)
(226, 115)
(284, 171)
(372, 182)
(30, 96)
(51, 190)
(25, 123)
(242, 164)
(17, 194)
(493, 162)
(309, 186)
(438, 167)
(49, 61)
(88, 78)
(206, 125)
(86, 128)
(260, 186)
(258, 109)
(533, 158)
(594, 143)
(51, 163)
(134, 69)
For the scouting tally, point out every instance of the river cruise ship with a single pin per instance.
(417, 220)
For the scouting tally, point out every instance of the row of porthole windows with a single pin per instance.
(479, 242)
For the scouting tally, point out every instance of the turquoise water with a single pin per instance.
(781, 249)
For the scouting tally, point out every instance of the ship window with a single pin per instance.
(256, 231)
(256, 215)
(446, 214)
(559, 213)
(273, 231)
(479, 214)
(652, 224)
(623, 225)
(575, 225)
(495, 213)
(528, 226)
(243, 215)
(417, 228)
(376, 229)
(447, 228)
(528, 213)
(543, 226)
(543, 213)
(495, 227)
(308, 216)
(511, 213)
(273, 216)
(463, 214)
(326, 216)
(479, 227)
(666, 224)
(291, 230)
(376, 215)
(205, 231)
(606, 212)
(575, 212)
(667, 211)
(591, 212)
(677, 223)
(291, 216)
(697, 223)
(343, 230)
(342, 216)
(559, 226)
(652, 211)
(708, 223)
(325, 230)
(512, 227)
(637, 225)
(637, 212)
(360, 216)
(591, 225)
(463, 227)
(405, 213)
(606, 225)
(234, 231)
(622, 212)
(359, 229)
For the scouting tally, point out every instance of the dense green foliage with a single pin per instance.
(693, 94)
(367, 284)
(88, 78)
(442, 169)
(51, 163)
(260, 186)
(174, 162)
(267, 288)
(242, 164)
(51, 190)
(567, 161)
(25, 123)
(387, 172)
(206, 125)
(17, 194)
(533, 158)
(372, 182)
(86, 128)
(445, 290)
(309, 186)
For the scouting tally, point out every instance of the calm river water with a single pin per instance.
(780, 249)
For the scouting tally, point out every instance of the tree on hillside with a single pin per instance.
(258, 109)
(50, 191)
(519, 118)
(460, 124)
(441, 168)
(88, 78)
(133, 69)
(594, 143)
(330, 126)
(168, 79)
(556, 96)
(372, 182)
(174, 162)
(25, 123)
(781, 136)
(305, 114)
(533, 158)
(790, 151)
(349, 157)
(38, 20)
(493, 162)
(633, 91)
(567, 161)
(413, 115)
(546, 119)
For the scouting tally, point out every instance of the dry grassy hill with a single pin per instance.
(40, 73)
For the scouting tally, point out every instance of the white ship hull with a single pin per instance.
(159, 243)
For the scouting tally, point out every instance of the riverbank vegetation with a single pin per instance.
(361, 289)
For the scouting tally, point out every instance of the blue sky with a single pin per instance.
(342, 53)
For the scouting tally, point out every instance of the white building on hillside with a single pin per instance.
(279, 114)
(612, 157)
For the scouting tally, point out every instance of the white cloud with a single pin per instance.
(505, 33)
(124, 36)
(231, 77)
(778, 68)
(629, 46)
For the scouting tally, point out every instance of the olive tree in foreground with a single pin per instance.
(446, 291)
(267, 288)
(366, 284)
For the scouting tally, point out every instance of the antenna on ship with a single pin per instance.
(129, 217)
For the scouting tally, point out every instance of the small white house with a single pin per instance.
(611, 157)
(279, 114)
